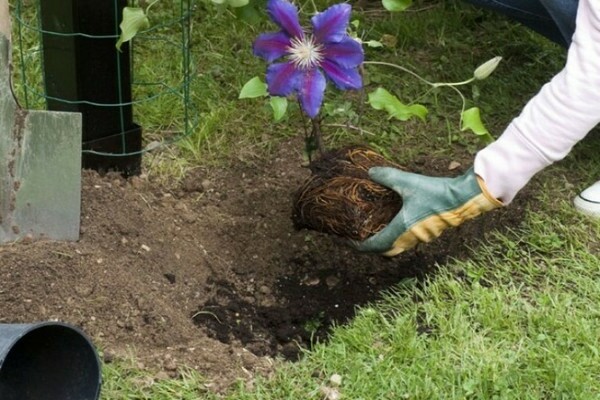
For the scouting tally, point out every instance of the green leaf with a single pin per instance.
(248, 14)
(471, 119)
(134, 20)
(381, 99)
(255, 87)
(237, 3)
(279, 106)
(396, 5)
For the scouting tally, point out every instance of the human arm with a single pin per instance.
(552, 122)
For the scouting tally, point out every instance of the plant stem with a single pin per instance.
(347, 126)
(361, 94)
(309, 138)
(453, 84)
(419, 77)
(408, 71)
(150, 5)
(464, 104)
(316, 133)
(303, 120)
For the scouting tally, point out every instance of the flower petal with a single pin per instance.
(343, 78)
(271, 46)
(331, 24)
(347, 53)
(285, 14)
(311, 91)
(282, 78)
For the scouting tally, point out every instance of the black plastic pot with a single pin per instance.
(47, 361)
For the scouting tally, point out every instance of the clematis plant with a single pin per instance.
(310, 57)
(302, 61)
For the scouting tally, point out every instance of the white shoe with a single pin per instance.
(588, 201)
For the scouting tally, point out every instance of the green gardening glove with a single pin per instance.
(430, 206)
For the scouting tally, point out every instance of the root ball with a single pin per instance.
(339, 197)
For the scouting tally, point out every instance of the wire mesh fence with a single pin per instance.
(137, 84)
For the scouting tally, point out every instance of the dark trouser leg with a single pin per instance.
(554, 19)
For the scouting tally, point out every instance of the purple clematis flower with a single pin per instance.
(328, 49)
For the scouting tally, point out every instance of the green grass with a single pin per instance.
(126, 381)
(518, 319)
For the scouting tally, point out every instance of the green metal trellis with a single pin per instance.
(66, 60)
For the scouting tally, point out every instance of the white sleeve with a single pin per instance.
(554, 120)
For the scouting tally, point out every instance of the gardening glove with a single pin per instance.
(430, 206)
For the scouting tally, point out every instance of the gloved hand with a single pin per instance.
(430, 206)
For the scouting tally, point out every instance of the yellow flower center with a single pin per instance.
(305, 53)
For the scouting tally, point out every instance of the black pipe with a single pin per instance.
(47, 361)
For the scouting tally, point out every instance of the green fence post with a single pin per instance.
(84, 72)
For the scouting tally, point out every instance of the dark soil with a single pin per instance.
(211, 273)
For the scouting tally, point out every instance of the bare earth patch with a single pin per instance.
(210, 274)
